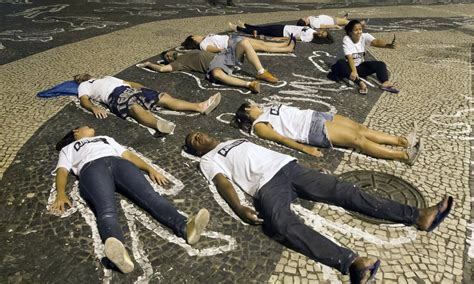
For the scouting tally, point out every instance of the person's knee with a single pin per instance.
(133, 109)
(380, 65)
(217, 73)
(358, 141)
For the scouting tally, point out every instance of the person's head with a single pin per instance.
(322, 37)
(353, 29)
(75, 134)
(246, 115)
(169, 56)
(302, 22)
(79, 78)
(199, 143)
(192, 42)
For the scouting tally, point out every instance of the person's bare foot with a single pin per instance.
(427, 216)
(232, 27)
(363, 88)
(241, 24)
(363, 269)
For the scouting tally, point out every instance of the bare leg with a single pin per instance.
(341, 21)
(244, 47)
(142, 116)
(169, 102)
(277, 47)
(373, 135)
(228, 80)
(341, 135)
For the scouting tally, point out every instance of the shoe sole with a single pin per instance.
(417, 155)
(200, 222)
(164, 126)
(117, 254)
(414, 132)
(214, 104)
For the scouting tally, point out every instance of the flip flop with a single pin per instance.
(357, 278)
(390, 89)
(441, 215)
(291, 39)
(213, 103)
(364, 91)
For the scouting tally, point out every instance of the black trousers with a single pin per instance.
(270, 30)
(292, 181)
(342, 70)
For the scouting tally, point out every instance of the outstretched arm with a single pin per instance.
(383, 44)
(59, 204)
(142, 165)
(159, 67)
(227, 191)
(265, 131)
(97, 111)
(330, 27)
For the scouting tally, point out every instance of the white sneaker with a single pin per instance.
(196, 226)
(118, 255)
(414, 152)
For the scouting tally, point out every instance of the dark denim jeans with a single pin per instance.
(101, 178)
(342, 70)
(292, 181)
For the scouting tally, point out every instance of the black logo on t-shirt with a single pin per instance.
(226, 149)
(275, 110)
(79, 144)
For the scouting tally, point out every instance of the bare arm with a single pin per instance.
(59, 204)
(159, 67)
(383, 44)
(142, 165)
(227, 191)
(213, 49)
(265, 131)
(134, 84)
(97, 111)
(350, 60)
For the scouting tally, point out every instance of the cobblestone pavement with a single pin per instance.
(432, 66)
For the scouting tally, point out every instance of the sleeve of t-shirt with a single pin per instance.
(83, 89)
(368, 38)
(64, 161)
(348, 46)
(116, 146)
(210, 169)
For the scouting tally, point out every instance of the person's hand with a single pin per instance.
(99, 112)
(393, 44)
(353, 75)
(157, 178)
(59, 205)
(313, 151)
(249, 215)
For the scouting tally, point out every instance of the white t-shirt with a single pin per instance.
(75, 155)
(356, 49)
(248, 165)
(219, 41)
(316, 21)
(304, 33)
(288, 121)
(100, 89)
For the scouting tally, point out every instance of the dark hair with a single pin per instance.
(79, 78)
(66, 140)
(163, 57)
(242, 118)
(188, 147)
(329, 39)
(190, 43)
(350, 26)
(301, 22)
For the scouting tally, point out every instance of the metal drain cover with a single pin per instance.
(385, 186)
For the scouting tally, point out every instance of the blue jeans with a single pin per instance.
(292, 181)
(101, 178)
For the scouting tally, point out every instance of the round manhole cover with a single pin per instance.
(385, 186)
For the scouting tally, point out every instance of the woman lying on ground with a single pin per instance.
(303, 129)
(103, 167)
(305, 34)
(325, 22)
(350, 62)
(218, 43)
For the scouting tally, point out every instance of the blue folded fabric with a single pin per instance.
(67, 88)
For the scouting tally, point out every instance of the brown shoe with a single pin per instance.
(267, 76)
(254, 87)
